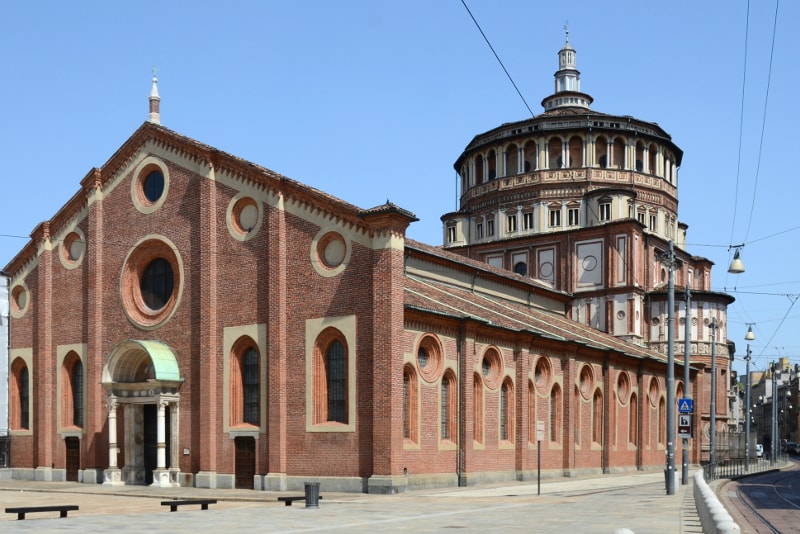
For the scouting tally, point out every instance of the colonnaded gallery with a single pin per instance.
(190, 318)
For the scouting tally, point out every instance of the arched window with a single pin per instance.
(20, 395)
(332, 376)
(336, 366)
(531, 412)
(555, 414)
(506, 411)
(477, 394)
(72, 391)
(410, 411)
(448, 407)
(245, 384)
(633, 419)
(597, 417)
(250, 384)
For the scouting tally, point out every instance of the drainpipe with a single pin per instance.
(461, 401)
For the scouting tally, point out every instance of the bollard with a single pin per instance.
(312, 494)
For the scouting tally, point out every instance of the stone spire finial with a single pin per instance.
(155, 114)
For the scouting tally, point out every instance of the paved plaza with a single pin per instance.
(637, 502)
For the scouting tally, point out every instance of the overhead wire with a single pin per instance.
(497, 57)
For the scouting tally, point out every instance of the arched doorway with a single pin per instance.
(142, 381)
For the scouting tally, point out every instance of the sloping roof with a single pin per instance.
(448, 300)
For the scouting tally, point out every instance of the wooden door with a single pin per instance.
(245, 462)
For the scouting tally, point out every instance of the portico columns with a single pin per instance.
(112, 475)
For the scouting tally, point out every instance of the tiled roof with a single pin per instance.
(444, 299)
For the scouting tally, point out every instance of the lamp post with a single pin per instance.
(670, 472)
(712, 453)
(750, 336)
(687, 330)
(774, 425)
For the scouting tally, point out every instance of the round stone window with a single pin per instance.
(153, 186)
(244, 217)
(543, 374)
(151, 283)
(150, 186)
(623, 387)
(72, 249)
(586, 381)
(492, 368)
(430, 358)
(20, 298)
(330, 253)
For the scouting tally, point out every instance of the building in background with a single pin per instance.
(587, 203)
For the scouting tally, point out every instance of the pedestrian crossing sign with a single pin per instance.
(685, 406)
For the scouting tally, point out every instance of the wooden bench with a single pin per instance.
(173, 505)
(289, 500)
(22, 510)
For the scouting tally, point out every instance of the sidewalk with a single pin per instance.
(604, 504)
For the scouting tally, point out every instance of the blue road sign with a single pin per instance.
(685, 406)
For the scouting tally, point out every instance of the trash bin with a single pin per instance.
(312, 494)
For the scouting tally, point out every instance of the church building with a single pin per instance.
(189, 318)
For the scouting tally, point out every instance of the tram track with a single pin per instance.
(766, 503)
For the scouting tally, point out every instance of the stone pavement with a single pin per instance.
(637, 502)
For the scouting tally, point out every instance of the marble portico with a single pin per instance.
(143, 378)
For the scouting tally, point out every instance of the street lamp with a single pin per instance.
(670, 472)
(749, 336)
(737, 265)
(687, 330)
(712, 454)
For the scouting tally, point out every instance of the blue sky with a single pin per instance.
(371, 100)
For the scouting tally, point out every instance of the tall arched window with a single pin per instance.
(633, 419)
(477, 395)
(531, 412)
(448, 407)
(330, 378)
(20, 395)
(245, 384)
(597, 417)
(250, 386)
(410, 411)
(337, 382)
(555, 414)
(506, 411)
(77, 393)
(72, 391)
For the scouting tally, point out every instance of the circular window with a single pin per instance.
(151, 283)
(150, 187)
(244, 217)
(653, 392)
(331, 250)
(546, 269)
(492, 368)
(156, 284)
(72, 249)
(623, 387)
(586, 381)
(330, 253)
(589, 263)
(430, 360)
(153, 186)
(543, 374)
(620, 315)
(19, 300)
